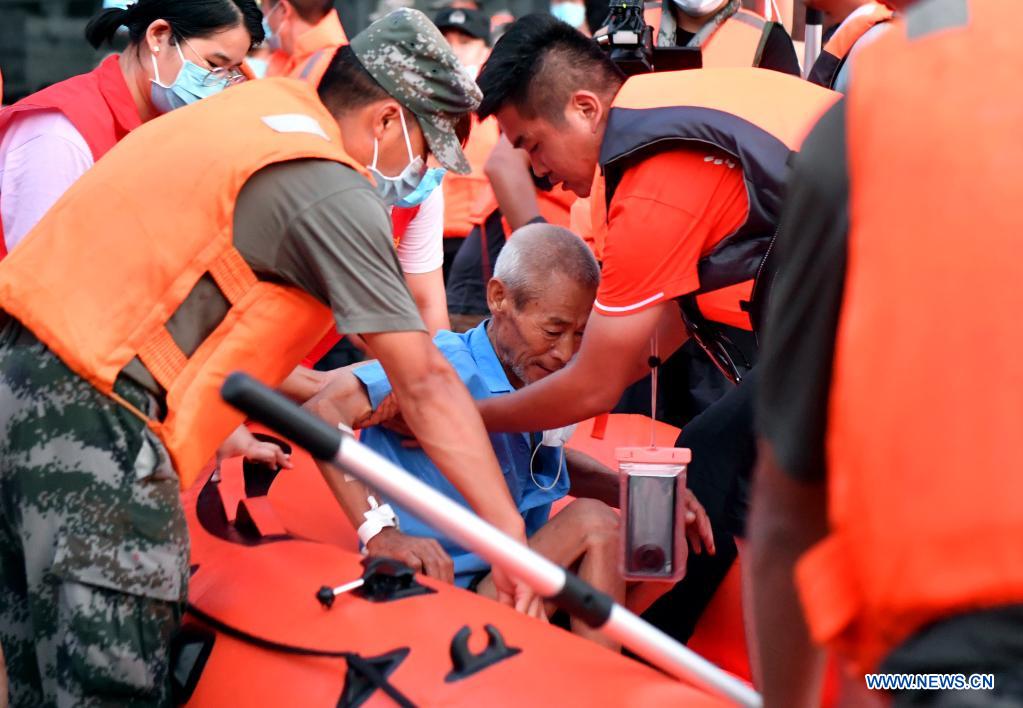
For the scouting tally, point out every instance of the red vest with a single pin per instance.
(98, 104)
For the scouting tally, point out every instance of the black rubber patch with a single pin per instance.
(466, 663)
(368, 673)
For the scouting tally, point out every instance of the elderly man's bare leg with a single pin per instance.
(584, 537)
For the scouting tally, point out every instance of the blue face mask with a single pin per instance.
(570, 12)
(258, 66)
(192, 83)
(271, 39)
(430, 181)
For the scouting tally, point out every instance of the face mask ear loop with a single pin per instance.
(561, 466)
(156, 70)
(404, 130)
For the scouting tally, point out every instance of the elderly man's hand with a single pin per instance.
(698, 528)
(243, 443)
(423, 555)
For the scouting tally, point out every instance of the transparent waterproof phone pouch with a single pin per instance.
(653, 480)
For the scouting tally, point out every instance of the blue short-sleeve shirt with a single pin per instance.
(474, 360)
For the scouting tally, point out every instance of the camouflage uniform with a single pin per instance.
(93, 542)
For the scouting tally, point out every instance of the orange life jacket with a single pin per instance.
(737, 42)
(923, 492)
(312, 53)
(115, 257)
(836, 50)
(756, 115)
(461, 192)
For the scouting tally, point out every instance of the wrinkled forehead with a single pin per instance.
(558, 299)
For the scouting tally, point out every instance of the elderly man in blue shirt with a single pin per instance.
(540, 298)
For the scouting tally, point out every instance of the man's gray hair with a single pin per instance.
(537, 251)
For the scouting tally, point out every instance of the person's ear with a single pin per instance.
(158, 36)
(497, 295)
(587, 108)
(385, 117)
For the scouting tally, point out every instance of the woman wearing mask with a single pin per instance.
(179, 51)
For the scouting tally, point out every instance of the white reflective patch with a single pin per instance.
(295, 123)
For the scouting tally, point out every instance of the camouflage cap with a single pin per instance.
(410, 58)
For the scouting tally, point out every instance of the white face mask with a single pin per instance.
(552, 438)
(698, 8)
(559, 436)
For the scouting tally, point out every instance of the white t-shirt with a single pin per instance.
(422, 247)
(41, 155)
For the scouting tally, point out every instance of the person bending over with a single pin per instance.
(540, 299)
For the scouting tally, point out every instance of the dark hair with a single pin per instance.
(538, 62)
(312, 11)
(346, 84)
(187, 18)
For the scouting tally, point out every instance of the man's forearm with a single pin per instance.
(512, 182)
(352, 495)
(565, 397)
(786, 519)
(591, 479)
(302, 384)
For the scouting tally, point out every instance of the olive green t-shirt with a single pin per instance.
(317, 225)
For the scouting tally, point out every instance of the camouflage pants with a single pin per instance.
(93, 542)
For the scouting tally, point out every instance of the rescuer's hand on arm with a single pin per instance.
(423, 555)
